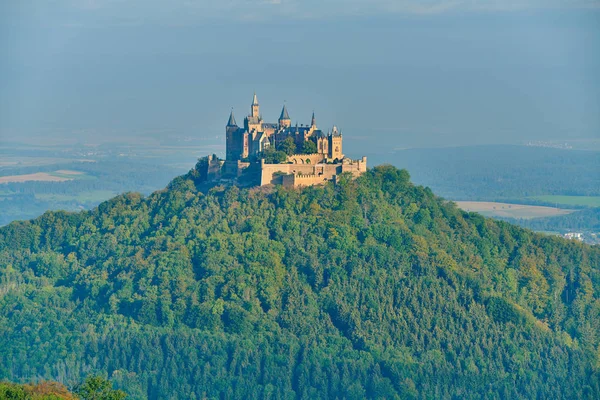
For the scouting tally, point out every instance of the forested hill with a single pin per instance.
(374, 288)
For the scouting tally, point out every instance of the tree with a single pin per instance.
(98, 388)
(288, 146)
(272, 156)
(309, 147)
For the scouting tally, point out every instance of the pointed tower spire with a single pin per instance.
(284, 114)
(231, 121)
(313, 122)
(284, 118)
(254, 108)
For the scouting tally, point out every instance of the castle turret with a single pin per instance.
(313, 121)
(284, 118)
(335, 144)
(233, 139)
(253, 122)
(255, 108)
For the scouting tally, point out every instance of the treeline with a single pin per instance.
(372, 288)
(587, 219)
(93, 388)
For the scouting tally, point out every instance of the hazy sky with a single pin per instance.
(413, 73)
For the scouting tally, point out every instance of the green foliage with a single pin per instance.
(40, 391)
(272, 156)
(288, 146)
(98, 388)
(308, 147)
(372, 288)
(502, 311)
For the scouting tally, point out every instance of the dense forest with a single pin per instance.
(371, 288)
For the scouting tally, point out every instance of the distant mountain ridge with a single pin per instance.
(371, 288)
(499, 172)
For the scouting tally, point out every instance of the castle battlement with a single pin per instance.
(277, 150)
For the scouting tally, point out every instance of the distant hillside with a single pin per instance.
(588, 219)
(500, 172)
(374, 288)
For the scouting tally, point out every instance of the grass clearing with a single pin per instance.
(83, 197)
(505, 210)
(587, 201)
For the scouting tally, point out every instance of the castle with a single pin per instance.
(280, 153)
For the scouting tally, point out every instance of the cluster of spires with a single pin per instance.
(284, 116)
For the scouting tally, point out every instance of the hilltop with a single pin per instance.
(372, 287)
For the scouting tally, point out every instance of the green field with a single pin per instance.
(506, 210)
(78, 176)
(587, 201)
(83, 197)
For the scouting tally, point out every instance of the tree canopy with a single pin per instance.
(371, 288)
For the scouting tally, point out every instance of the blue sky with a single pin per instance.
(424, 73)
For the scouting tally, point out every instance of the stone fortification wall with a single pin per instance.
(306, 158)
(308, 180)
(285, 174)
(234, 168)
(308, 174)
(355, 167)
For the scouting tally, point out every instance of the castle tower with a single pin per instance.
(255, 108)
(335, 144)
(323, 144)
(313, 121)
(284, 118)
(253, 122)
(233, 141)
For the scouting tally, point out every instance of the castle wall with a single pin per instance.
(355, 167)
(307, 174)
(308, 180)
(214, 168)
(234, 168)
(302, 158)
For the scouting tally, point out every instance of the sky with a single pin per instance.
(407, 73)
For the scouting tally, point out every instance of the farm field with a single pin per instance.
(56, 176)
(38, 176)
(82, 197)
(10, 161)
(505, 210)
(588, 201)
